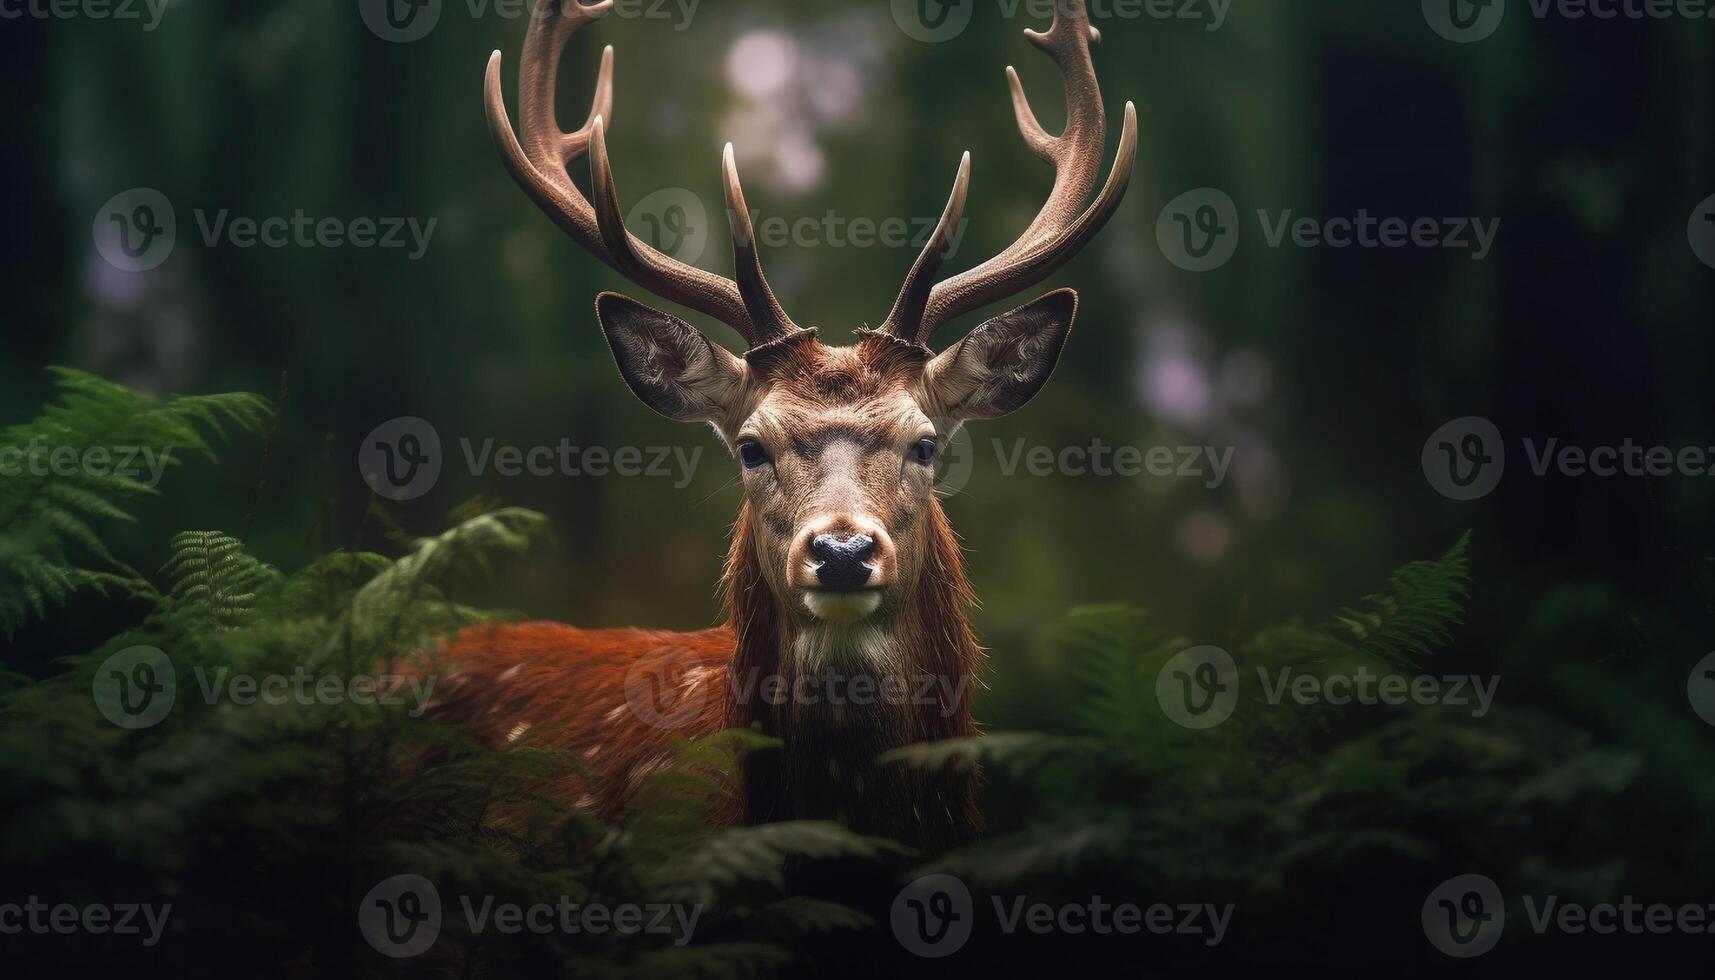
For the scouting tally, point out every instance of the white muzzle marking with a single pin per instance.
(842, 607)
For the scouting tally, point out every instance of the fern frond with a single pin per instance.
(802, 915)
(1424, 600)
(77, 463)
(1045, 850)
(214, 579)
(759, 855)
(378, 610)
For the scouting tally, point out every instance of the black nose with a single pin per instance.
(842, 560)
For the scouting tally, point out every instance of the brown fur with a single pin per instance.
(828, 434)
(595, 693)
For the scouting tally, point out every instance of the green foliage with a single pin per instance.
(1423, 601)
(1286, 799)
(235, 800)
(298, 786)
(266, 821)
(212, 578)
(80, 461)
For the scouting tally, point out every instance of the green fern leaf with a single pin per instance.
(73, 459)
(1423, 602)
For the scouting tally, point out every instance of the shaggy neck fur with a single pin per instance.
(839, 696)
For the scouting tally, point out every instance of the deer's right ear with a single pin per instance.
(670, 364)
(1004, 362)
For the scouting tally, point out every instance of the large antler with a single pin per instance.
(1064, 225)
(539, 165)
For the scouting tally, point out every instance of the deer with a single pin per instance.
(842, 570)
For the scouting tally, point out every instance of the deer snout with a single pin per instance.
(842, 555)
(843, 563)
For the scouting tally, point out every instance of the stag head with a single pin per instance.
(836, 444)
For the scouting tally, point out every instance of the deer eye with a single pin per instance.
(924, 451)
(751, 454)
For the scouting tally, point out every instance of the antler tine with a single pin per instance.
(1065, 224)
(538, 157)
(759, 301)
(907, 316)
(539, 79)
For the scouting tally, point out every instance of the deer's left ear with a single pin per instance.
(1004, 362)
(668, 363)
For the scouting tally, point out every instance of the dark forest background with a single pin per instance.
(1591, 141)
